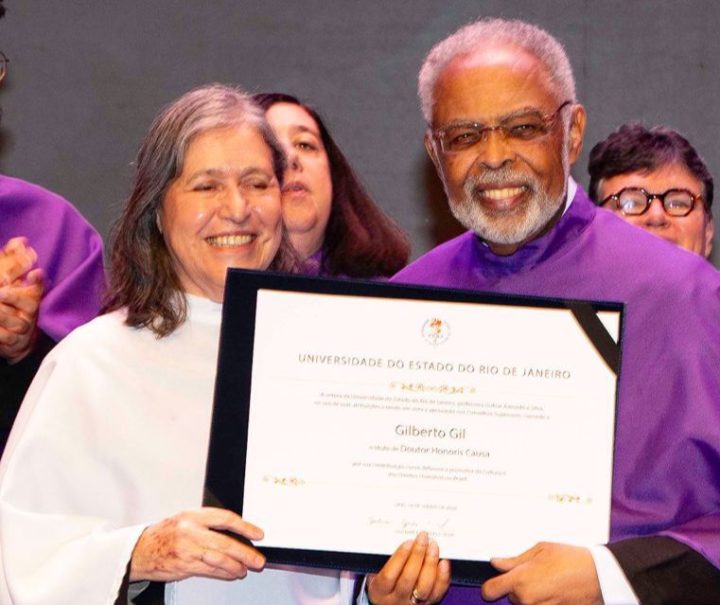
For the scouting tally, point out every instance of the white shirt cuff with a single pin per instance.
(615, 588)
(362, 598)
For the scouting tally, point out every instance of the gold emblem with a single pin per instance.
(436, 331)
(284, 481)
(442, 389)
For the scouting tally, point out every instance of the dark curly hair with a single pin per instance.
(360, 239)
(634, 148)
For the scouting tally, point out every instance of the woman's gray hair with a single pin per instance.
(485, 32)
(142, 276)
(202, 109)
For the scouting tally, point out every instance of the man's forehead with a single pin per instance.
(490, 82)
(497, 55)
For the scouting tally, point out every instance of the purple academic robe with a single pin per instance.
(69, 252)
(667, 452)
(313, 267)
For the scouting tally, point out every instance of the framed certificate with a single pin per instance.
(349, 416)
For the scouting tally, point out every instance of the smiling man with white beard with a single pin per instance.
(504, 127)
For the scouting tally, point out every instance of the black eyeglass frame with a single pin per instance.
(649, 197)
(548, 120)
(3, 65)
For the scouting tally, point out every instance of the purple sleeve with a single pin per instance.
(69, 253)
(74, 279)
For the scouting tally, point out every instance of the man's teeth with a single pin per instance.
(229, 240)
(502, 194)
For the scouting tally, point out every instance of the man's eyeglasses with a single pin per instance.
(3, 65)
(634, 201)
(520, 128)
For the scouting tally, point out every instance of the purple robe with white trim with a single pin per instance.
(666, 477)
(69, 252)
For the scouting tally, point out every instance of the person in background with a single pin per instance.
(503, 129)
(656, 180)
(333, 223)
(114, 500)
(51, 279)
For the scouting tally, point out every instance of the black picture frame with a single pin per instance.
(225, 472)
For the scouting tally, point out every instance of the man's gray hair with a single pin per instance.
(486, 32)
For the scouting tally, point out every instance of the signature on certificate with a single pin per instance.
(427, 524)
(406, 526)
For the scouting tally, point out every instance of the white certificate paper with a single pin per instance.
(490, 426)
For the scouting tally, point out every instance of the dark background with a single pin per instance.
(86, 78)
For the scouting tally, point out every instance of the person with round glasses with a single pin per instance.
(656, 180)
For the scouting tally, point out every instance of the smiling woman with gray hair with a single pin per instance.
(114, 430)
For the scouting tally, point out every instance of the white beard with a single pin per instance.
(505, 227)
(513, 226)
